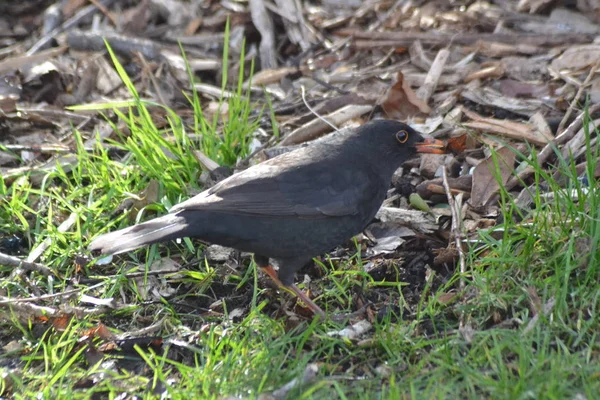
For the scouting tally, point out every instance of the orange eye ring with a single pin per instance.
(402, 136)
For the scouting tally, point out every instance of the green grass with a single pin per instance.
(418, 350)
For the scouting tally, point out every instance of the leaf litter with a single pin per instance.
(486, 80)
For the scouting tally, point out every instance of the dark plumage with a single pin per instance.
(290, 208)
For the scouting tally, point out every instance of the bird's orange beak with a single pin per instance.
(432, 146)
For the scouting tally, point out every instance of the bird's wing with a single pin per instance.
(305, 191)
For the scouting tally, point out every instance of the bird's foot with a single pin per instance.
(309, 303)
(343, 317)
(299, 293)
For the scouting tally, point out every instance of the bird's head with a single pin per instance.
(395, 140)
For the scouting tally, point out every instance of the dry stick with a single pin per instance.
(142, 273)
(310, 374)
(52, 149)
(548, 150)
(105, 11)
(578, 95)
(400, 39)
(69, 222)
(264, 25)
(455, 229)
(577, 145)
(318, 126)
(7, 300)
(71, 22)
(65, 226)
(387, 16)
(433, 76)
(11, 261)
(29, 309)
(20, 61)
(146, 331)
(148, 70)
(303, 91)
(38, 251)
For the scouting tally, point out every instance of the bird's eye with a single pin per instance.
(402, 136)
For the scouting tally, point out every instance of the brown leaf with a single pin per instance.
(147, 197)
(61, 322)
(446, 298)
(578, 57)
(457, 144)
(401, 102)
(485, 182)
(446, 255)
(99, 331)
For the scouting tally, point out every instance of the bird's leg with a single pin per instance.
(309, 303)
(268, 269)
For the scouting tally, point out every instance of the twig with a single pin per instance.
(264, 25)
(63, 227)
(455, 207)
(147, 331)
(577, 143)
(329, 85)
(29, 309)
(20, 61)
(319, 125)
(310, 373)
(401, 39)
(148, 70)
(71, 22)
(390, 12)
(134, 275)
(433, 76)
(303, 90)
(7, 300)
(545, 310)
(105, 11)
(121, 44)
(11, 261)
(548, 150)
(243, 163)
(578, 95)
(41, 148)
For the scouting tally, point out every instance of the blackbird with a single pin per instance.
(292, 207)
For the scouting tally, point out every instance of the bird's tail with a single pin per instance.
(167, 227)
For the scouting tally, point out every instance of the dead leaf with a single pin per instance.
(61, 322)
(510, 129)
(489, 97)
(401, 102)
(485, 182)
(445, 255)
(99, 331)
(446, 298)
(457, 144)
(388, 235)
(147, 197)
(578, 57)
